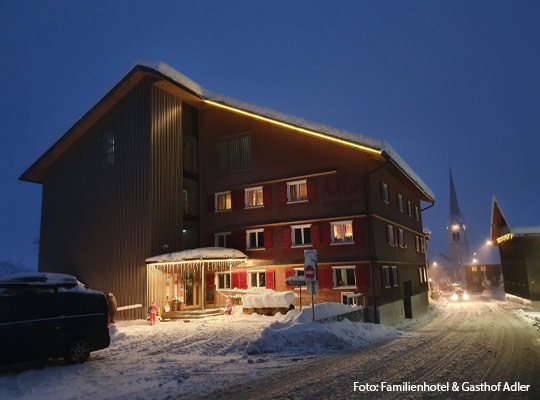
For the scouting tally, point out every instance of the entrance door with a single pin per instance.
(191, 289)
(407, 294)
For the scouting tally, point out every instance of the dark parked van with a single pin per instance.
(50, 315)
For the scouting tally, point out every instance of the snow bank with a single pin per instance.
(531, 317)
(270, 300)
(202, 253)
(296, 333)
(39, 278)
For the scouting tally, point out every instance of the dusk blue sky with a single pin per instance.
(444, 82)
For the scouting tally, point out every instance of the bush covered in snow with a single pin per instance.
(269, 299)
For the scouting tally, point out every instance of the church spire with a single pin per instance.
(454, 206)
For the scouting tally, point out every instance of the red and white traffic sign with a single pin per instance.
(309, 272)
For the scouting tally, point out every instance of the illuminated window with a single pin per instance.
(344, 277)
(473, 269)
(301, 235)
(297, 191)
(256, 279)
(255, 239)
(223, 201)
(341, 232)
(222, 239)
(254, 197)
(385, 193)
(400, 202)
(223, 280)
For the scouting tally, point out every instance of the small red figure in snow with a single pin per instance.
(153, 312)
(229, 307)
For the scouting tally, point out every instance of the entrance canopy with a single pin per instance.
(211, 258)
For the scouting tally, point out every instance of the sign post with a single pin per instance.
(310, 272)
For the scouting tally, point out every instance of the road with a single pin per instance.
(475, 341)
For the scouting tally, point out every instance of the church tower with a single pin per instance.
(457, 237)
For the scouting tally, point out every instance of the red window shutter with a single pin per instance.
(211, 241)
(358, 232)
(238, 240)
(237, 200)
(286, 236)
(269, 280)
(267, 195)
(242, 280)
(311, 189)
(268, 238)
(210, 279)
(315, 234)
(288, 274)
(211, 202)
(282, 193)
(324, 231)
(235, 281)
(361, 275)
(326, 278)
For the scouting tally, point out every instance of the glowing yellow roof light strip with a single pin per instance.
(295, 128)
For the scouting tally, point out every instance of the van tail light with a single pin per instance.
(108, 320)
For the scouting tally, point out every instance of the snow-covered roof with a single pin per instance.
(526, 231)
(203, 253)
(290, 119)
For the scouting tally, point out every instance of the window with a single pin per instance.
(455, 236)
(422, 275)
(256, 279)
(341, 232)
(254, 197)
(255, 239)
(297, 191)
(400, 202)
(395, 278)
(417, 213)
(222, 239)
(234, 153)
(473, 269)
(299, 272)
(223, 280)
(109, 147)
(223, 201)
(401, 238)
(420, 246)
(386, 276)
(390, 235)
(409, 208)
(301, 235)
(385, 193)
(344, 277)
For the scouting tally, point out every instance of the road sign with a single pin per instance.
(309, 272)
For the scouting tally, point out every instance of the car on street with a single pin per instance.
(459, 294)
(44, 315)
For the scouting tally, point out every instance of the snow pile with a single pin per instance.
(270, 300)
(295, 333)
(203, 253)
(531, 317)
(39, 278)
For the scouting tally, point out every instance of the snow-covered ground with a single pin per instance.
(193, 358)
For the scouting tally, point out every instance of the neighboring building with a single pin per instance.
(482, 276)
(457, 235)
(519, 249)
(159, 166)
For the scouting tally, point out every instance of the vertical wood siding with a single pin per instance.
(95, 221)
(166, 171)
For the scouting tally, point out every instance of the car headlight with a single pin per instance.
(454, 296)
(465, 296)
